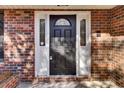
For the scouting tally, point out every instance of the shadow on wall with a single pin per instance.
(101, 56)
(19, 53)
(107, 58)
(117, 73)
(85, 58)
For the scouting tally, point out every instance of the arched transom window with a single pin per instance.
(62, 22)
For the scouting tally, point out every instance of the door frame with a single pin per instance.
(46, 15)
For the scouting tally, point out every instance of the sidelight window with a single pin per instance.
(83, 32)
(42, 32)
(1, 36)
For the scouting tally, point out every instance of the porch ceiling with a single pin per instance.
(56, 6)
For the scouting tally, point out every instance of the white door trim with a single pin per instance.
(44, 62)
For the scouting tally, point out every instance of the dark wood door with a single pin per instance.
(62, 45)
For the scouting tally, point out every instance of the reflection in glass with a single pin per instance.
(83, 32)
(42, 32)
(1, 37)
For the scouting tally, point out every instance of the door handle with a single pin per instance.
(51, 58)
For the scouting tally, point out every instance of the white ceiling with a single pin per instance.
(56, 6)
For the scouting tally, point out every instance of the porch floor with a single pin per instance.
(69, 84)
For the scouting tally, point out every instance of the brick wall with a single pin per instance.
(19, 42)
(117, 31)
(101, 46)
(117, 73)
(117, 21)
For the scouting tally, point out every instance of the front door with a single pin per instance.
(62, 44)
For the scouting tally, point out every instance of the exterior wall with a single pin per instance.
(106, 57)
(117, 21)
(117, 31)
(100, 44)
(19, 42)
(117, 73)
